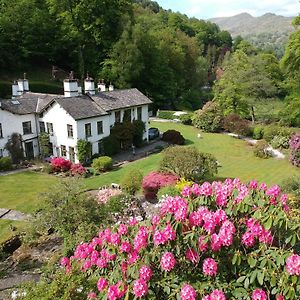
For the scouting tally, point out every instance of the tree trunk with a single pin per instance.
(252, 114)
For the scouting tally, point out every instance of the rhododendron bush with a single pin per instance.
(217, 241)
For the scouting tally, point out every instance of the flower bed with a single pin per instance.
(217, 241)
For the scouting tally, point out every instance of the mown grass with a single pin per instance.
(20, 191)
(10, 228)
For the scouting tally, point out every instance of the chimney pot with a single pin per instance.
(71, 86)
(101, 86)
(111, 87)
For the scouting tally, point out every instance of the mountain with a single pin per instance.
(244, 24)
(269, 32)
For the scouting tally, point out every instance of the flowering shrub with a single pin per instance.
(105, 194)
(59, 164)
(295, 150)
(215, 242)
(78, 170)
(154, 181)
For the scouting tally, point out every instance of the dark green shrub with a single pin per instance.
(139, 129)
(173, 137)
(111, 145)
(5, 163)
(271, 131)
(235, 124)
(170, 190)
(186, 119)
(290, 115)
(44, 141)
(261, 151)
(280, 142)
(14, 147)
(131, 181)
(166, 114)
(124, 133)
(209, 118)
(258, 132)
(188, 162)
(102, 164)
(84, 151)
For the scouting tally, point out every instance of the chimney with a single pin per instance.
(111, 87)
(79, 89)
(71, 86)
(89, 85)
(101, 86)
(25, 83)
(15, 89)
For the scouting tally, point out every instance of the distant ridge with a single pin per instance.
(244, 24)
(269, 31)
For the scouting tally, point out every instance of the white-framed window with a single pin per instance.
(27, 127)
(88, 129)
(1, 132)
(70, 130)
(139, 113)
(100, 127)
(49, 127)
(42, 126)
(63, 150)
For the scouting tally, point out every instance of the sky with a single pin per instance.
(205, 9)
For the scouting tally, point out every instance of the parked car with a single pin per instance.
(153, 133)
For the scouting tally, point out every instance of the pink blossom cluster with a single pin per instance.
(210, 267)
(188, 292)
(60, 164)
(126, 245)
(256, 231)
(293, 265)
(77, 169)
(215, 295)
(259, 294)
(103, 195)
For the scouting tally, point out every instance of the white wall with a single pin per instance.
(95, 138)
(12, 123)
(60, 119)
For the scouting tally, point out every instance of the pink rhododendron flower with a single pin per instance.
(188, 292)
(201, 244)
(132, 221)
(145, 273)
(132, 257)
(169, 233)
(195, 218)
(192, 255)
(293, 265)
(210, 267)
(91, 295)
(167, 261)
(101, 263)
(259, 294)
(123, 229)
(215, 242)
(253, 184)
(64, 262)
(159, 238)
(217, 295)
(279, 297)
(140, 288)
(115, 239)
(155, 220)
(206, 189)
(86, 265)
(102, 284)
(125, 247)
(196, 189)
(186, 191)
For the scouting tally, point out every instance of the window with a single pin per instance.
(127, 115)
(42, 127)
(1, 133)
(117, 117)
(27, 127)
(100, 147)
(1, 152)
(63, 150)
(100, 127)
(139, 113)
(88, 129)
(50, 149)
(70, 131)
(72, 154)
(49, 128)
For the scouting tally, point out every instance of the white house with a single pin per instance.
(69, 117)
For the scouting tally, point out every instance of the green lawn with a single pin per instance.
(20, 191)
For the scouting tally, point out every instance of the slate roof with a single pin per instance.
(27, 103)
(81, 107)
(118, 99)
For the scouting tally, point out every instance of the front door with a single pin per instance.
(29, 153)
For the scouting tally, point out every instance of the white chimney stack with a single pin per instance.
(89, 85)
(25, 83)
(111, 87)
(79, 89)
(101, 86)
(15, 89)
(71, 86)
